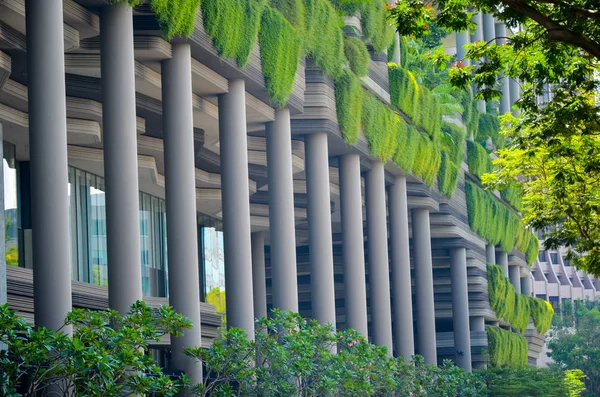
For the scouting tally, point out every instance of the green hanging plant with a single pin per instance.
(324, 40)
(175, 17)
(513, 195)
(489, 127)
(505, 348)
(408, 141)
(293, 11)
(358, 56)
(542, 313)
(447, 175)
(280, 47)
(380, 125)
(478, 159)
(349, 105)
(233, 26)
(375, 24)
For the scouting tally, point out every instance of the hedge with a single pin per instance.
(381, 127)
(358, 56)
(478, 159)
(447, 175)
(496, 223)
(505, 348)
(375, 24)
(323, 40)
(233, 26)
(280, 47)
(489, 127)
(349, 103)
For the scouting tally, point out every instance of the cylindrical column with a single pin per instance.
(462, 39)
(515, 93)
(396, 58)
(490, 254)
(281, 212)
(460, 307)
(477, 324)
(477, 35)
(236, 207)
(423, 264)
(526, 283)
(319, 228)
(502, 261)
(404, 341)
(259, 282)
(379, 272)
(505, 103)
(180, 192)
(120, 157)
(49, 170)
(3, 296)
(514, 273)
(489, 31)
(353, 250)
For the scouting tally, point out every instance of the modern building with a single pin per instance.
(141, 168)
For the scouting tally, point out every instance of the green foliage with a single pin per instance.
(447, 175)
(542, 314)
(358, 56)
(132, 3)
(496, 223)
(528, 381)
(470, 113)
(408, 140)
(176, 17)
(478, 159)
(533, 249)
(416, 101)
(427, 159)
(453, 142)
(513, 195)
(107, 355)
(280, 47)
(489, 128)
(375, 25)
(574, 383)
(292, 356)
(505, 348)
(293, 11)
(324, 41)
(349, 104)
(380, 125)
(403, 51)
(233, 26)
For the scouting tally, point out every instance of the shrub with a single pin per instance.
(358, 56)
(505, 348)
(349, 103)
(528, 381)
(280, 47)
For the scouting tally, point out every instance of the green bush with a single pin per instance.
(324, 40)
(489, 127)
(280, 47)
(375, 24)
(175, 17)
(233, 26)
(478, 159)
(293, 11)
(505, 348)
(358, 56)
(447, 175)
(380, 125)
(530, 381)
(349, 104)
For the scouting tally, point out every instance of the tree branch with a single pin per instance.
(582, 12)
(556, 31)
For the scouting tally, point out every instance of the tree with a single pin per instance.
(578, 347)
(553, 150)
(107, 354)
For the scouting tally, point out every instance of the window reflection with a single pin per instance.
(213, 271)
(9, 167)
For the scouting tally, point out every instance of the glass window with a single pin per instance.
(213, 269)
(11, 225)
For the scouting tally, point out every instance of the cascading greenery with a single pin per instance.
(323, 40)
(478, 159)
(408, 139)
(489, 127)
(176, 17)
(513, 195)
(427, 159)
(349, 104)
(453, 151)
(233, 26)
(358, 56)
(293, 11)
(380, 125)
(280, 48)
(416, 101)
(496, 223)
(505, 348)
(447, 175)
(375, 24)
(516, 308)
(470, 113)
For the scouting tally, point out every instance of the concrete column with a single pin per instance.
(423, 265)
(490, 254)
(396, 59)
(49, 171)
(120, 157)
(502, 260)
(319, 228)
(489, 31)
(515, 277)
(236, 207)
(353, 250)
(259, 282)
(3, 296)
(462, 39)
(515, 93)
(460, 307)
(281, 212)
(404, 341)
(526, 285)
(180, 191)
(505, 103)
(379, 272)
(477, 324)
(477, 35)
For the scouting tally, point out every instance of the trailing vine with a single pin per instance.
(505, 348)
(280, 48)
(489, 128)
(380, 125)
(375, 24)
(358, 56)
(349, 103)
(293, 11)
(323, 40)
(176, 17)
(478, 159)
(542, 313)
(447, 175)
